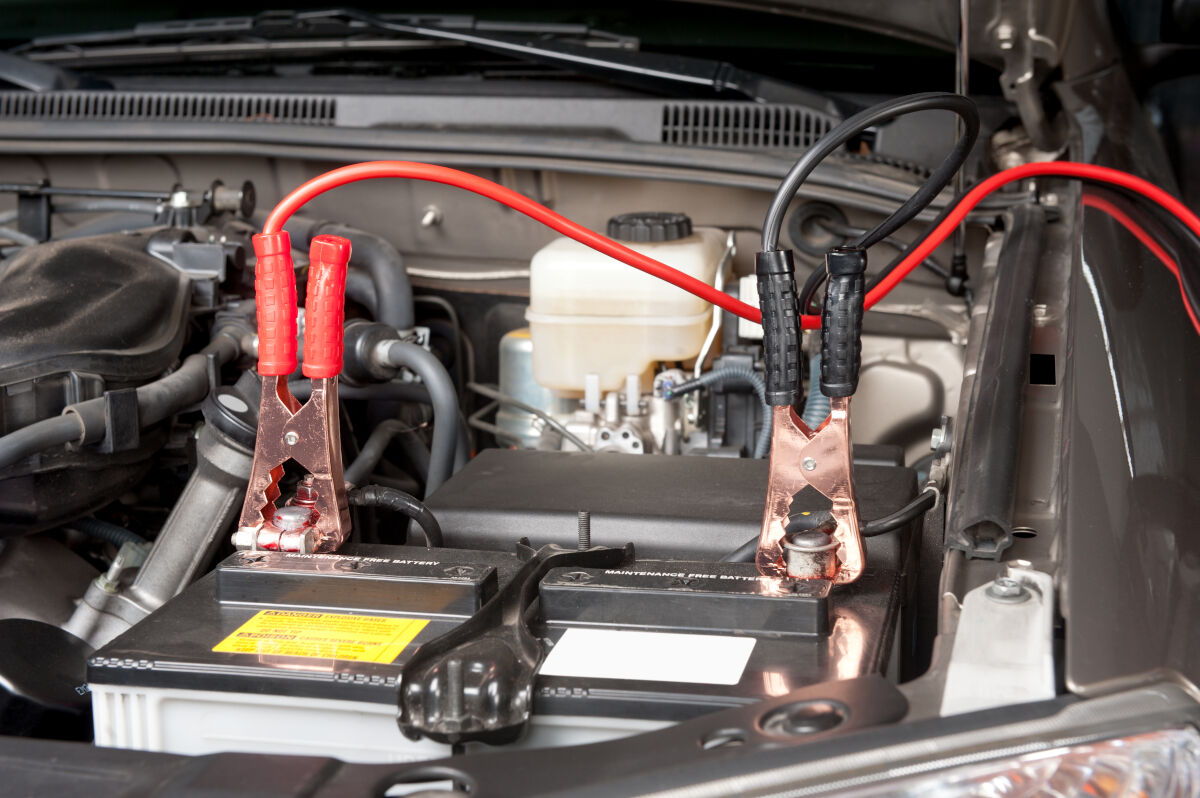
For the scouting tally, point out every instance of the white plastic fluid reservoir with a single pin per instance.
(590, 314)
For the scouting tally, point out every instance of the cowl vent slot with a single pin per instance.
(294, 109)
(736, 125)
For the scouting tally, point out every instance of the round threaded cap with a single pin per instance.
(649, 226)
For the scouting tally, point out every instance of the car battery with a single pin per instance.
(303, 653)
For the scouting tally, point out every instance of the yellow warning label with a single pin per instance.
(362, 638)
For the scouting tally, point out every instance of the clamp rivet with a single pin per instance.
(291, 439)
(809, 464)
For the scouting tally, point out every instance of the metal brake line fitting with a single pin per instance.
(318, 518)
(800, 455)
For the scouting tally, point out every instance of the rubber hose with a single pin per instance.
(372, 451)
(816, 404)
(391, 293)
(115, 222)
(416, 452)
(445, 407)
(394, 391)
(37, 437)
(103, 530)
(744, 375)
(84, 423)
(385, 264)
(161, 399)
(360, 288)
(400, 502)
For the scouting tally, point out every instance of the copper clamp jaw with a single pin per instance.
(801, 456)
(318, 517)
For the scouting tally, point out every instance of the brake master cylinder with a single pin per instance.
(590, 314)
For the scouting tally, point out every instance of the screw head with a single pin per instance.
(1008, 590)
(291, 439)
(937, 438)
(808, 464)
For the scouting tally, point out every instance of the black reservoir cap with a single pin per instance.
(649, 226)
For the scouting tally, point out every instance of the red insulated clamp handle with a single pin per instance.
(275, 301)
(325, 307)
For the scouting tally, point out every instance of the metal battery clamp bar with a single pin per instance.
(318, 518)
(802, 456)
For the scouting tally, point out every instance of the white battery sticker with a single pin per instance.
(649, 656)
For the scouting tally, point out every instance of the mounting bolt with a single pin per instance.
(1005, 33)
(291, 439)
(245, 538)
(939, 439)
(585, 530)
(808, 464)
(431, 216)
(1007, 590)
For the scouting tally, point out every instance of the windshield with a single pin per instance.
(782, 46)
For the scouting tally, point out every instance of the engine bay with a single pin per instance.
(592, 507)
(647, 399)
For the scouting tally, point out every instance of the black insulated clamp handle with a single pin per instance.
(841, 321)
(781, 324)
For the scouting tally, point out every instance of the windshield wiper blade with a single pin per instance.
(611, 57)
(635, 68)
(272, 24)
(27, 74)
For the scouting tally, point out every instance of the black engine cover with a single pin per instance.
(79, 317)
(99, 305)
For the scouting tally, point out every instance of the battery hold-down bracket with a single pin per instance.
(475, 683)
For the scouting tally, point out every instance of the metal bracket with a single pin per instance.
(1004, 644)
(1029, 53)
(33, 215)
(122, 422)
